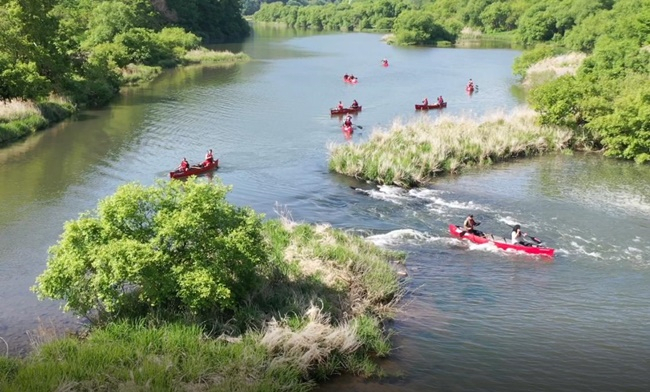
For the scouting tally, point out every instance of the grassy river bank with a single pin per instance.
(19, 119)
(316, 302)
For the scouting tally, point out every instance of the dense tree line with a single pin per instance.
(76, 48)
(609, 97)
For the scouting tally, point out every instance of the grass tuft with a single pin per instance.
(413, 153)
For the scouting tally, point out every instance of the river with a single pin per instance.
(474, 318)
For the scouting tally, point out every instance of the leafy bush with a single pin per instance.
(417, 28)
(143, 46)
(176, 246)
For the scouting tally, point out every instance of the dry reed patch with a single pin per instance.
(312, 344)
(411, 153)
(468, 32)
(17, 109)
(554, 67)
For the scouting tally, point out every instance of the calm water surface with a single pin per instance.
(475, 318)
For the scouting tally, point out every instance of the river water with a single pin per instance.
(474, 318)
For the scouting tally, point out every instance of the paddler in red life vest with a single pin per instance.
(384, 61)
(346, 77)
(184, 166)
(209, 158)
(348, 121)
(440, 100)
(355, 104)
(340, 105)
(425, 102)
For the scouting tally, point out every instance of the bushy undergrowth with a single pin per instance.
(412, 154)
(317, 308)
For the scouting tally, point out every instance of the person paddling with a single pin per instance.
(518, 237)
(355, 104)
(209, 158)
(184, 166)
(340, 106)
(348, 121)
(425, 102)
(469, 226)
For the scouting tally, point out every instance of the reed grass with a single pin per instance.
(413, 153)
(207, 56)
(21, 118)
(553, 67)
(319, 312)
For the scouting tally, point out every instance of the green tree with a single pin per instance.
(415, 27)
(176, 246)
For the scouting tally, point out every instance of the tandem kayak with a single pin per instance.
(501, 242)
(194, 170)
(427, 107)
(345, 110)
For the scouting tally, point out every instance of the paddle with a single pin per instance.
(535, 239)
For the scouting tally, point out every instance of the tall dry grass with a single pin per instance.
(553, 67)
(207, 56)
(413, 153)
(16, 110)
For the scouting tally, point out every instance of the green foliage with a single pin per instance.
(376, 15)
(496, 17)
(418, 28)
(22, 80)
(143, 46)
(176, 246)
(216, 21)
(625, 130)
(558, 101)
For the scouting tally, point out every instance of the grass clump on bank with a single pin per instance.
(21, 118)
(206, 56)
(192, 293)
(411, 154)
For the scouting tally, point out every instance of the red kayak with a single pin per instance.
(194, 170)
(501, 242)
(470, 89)
(427, 107)
(345, 110)
(347, 128)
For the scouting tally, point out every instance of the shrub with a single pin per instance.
(176, 246)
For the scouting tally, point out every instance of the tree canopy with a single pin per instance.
(178, 246)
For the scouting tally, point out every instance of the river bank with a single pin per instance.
(19, 119)
(319, 307)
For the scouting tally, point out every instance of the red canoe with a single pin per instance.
(345, 110)
(501, 243)
(194, 170)
(427, 107)
(347, 128)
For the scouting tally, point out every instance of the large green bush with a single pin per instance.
(173, 247)
(418, 28)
